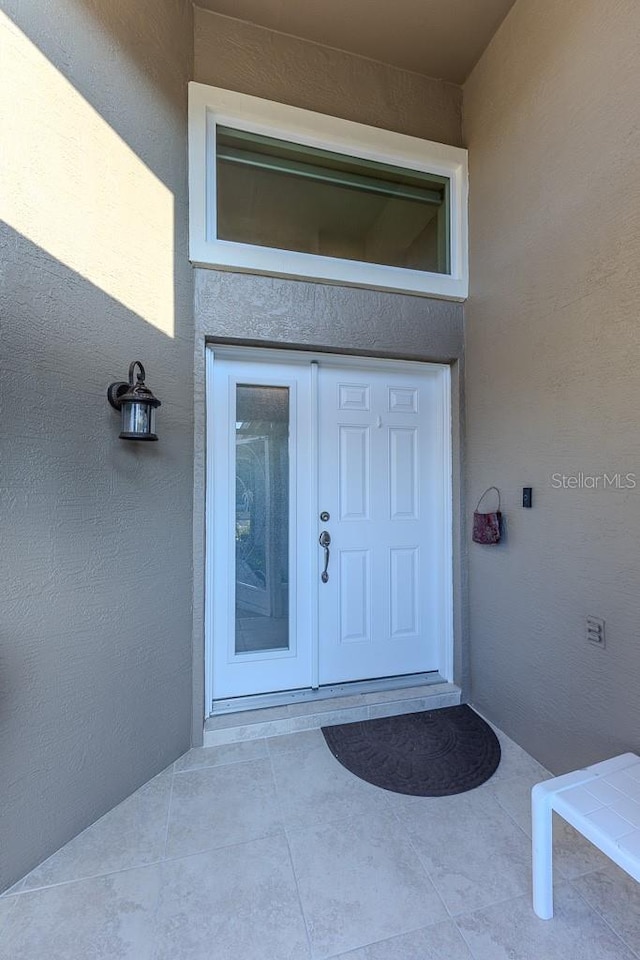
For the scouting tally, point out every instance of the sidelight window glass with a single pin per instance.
(262, 518)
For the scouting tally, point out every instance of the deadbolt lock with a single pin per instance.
(324, 516)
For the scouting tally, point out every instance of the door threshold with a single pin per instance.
(307, 695)
(380, 699)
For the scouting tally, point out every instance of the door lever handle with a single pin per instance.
(324, 540)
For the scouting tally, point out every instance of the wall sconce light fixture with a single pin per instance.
(137, 405)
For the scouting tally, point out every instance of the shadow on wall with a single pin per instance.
(95, 656)
(95, 644)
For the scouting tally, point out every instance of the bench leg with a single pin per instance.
(542, 853)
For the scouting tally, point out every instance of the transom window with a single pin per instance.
(278, 190)
(292, 197)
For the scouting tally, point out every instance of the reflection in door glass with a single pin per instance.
(262, 518)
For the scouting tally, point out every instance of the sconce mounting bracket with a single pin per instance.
(115, 391)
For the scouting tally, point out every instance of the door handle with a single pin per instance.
(324, 540)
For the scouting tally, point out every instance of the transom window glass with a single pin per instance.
(282, 195)
(280, 191)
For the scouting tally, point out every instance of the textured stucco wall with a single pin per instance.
(95, 643)
(552, 346)
(240, 56)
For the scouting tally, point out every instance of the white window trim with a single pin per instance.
(211, 106)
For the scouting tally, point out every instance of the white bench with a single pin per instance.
(602, 802)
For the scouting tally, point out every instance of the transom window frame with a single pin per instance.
(210, 107)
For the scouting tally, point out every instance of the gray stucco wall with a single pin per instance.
(240, 56)
(95, 646)
(552, 346)
(279, 312)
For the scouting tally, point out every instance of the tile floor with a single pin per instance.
(270, 850)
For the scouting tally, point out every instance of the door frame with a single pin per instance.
(352, 362)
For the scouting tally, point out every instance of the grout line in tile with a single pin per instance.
(510, 815)
(581, 873)
(488, 906)
(142, 866)
(90, 826)
(90, 876)
(492, 903)
(499, 780)
(595, 909)
(222, 846)
(464, 939)
(373, 943)
(227, 763)
(286, 840)
(168, 818)
(302, 912)
(557, 867)
(496, 903)
(409, 839)
(389, 939)
(461, 913)
(156, 907)
(427, 872)
(13, 890)
(332, 822)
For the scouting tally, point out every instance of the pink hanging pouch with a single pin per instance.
(486, 526)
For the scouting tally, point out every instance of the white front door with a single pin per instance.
(363, 443)
(382, 482)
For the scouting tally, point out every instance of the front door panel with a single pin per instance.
(381, 481)
(362, 444)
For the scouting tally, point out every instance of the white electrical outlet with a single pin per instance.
(595, 631)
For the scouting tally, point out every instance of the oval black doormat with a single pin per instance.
(435, 753)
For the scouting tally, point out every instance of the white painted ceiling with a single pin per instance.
(437, 38)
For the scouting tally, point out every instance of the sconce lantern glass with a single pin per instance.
(137, 405)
